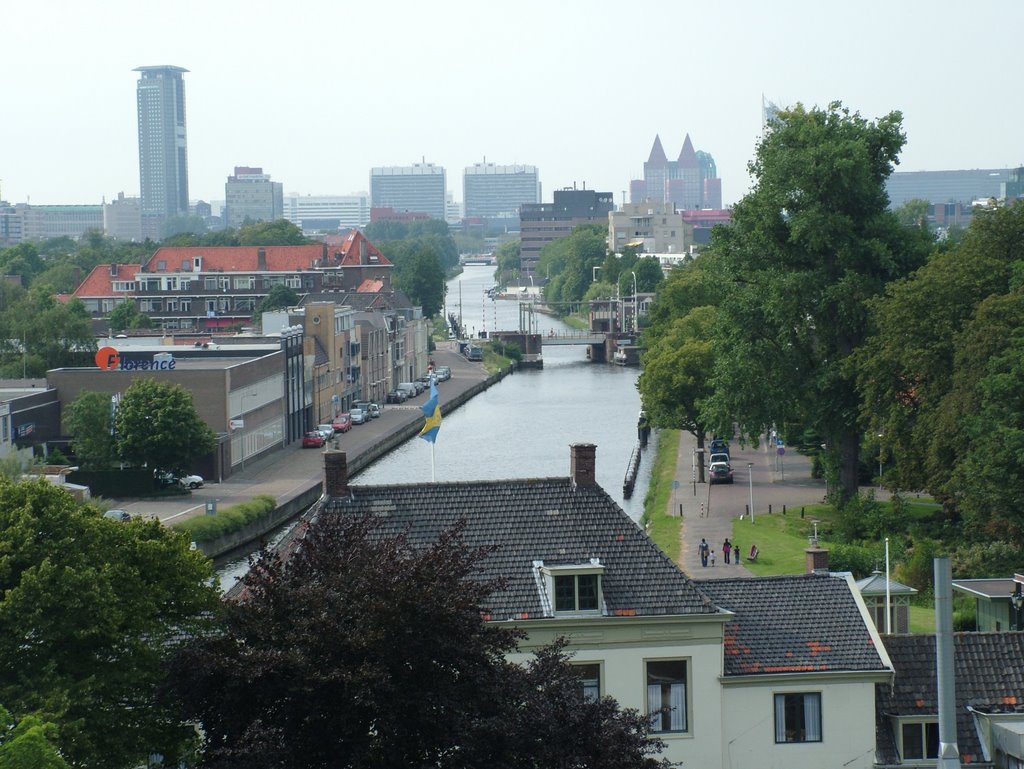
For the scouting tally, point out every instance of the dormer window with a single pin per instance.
(573, 588)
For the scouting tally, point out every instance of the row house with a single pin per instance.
(209, 289)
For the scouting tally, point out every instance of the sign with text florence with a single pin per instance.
(109, 359)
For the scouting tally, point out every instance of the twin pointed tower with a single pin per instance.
(690, 181)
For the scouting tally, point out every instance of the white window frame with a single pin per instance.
(810, 713)
(668, 702)
(553, 574)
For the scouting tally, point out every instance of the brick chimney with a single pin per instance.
(335, 474)
(816, 559)
(582, 463)
(362, 250)
(261, 259)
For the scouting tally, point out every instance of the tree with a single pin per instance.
(156, 424)
(365, 651)
(279, 297)
(649, 276)
(936, 333)
(28, 744)
(277, 233)
(420, 276)
(89, 611)
(507, 258)
(126, 315)
(90, 422)
(807, 247)
(570, 261)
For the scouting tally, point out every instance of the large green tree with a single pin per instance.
(126, 315)
(280, 232)
(279, 297)
(569, 263)
(90, 421)
(156, 424)
(933, 377)
(807, 247)
(420, 276)
(89, 611)
(365, 651)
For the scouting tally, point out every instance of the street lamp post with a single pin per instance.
(634, 299)
(750, 485)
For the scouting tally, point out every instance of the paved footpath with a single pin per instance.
(708, 511)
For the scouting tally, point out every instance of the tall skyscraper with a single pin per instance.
(496, 192)
(419, 188)
(163, 154)
(690, 181)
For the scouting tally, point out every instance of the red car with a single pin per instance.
(342, 423)
(313, 440)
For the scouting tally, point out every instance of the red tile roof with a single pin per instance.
(235, 258)
(370, 286)
(100, 282)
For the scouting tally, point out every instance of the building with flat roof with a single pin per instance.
(491, 191)
(249, 194)
(326, 213)
(23, 222)
(122, 218)
(420, 187)
(649, 227)
(543, 223)
(163, 152)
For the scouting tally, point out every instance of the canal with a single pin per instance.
(522, 427)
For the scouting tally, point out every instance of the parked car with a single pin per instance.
(444, 373)
(374, 410)
(716, 458)
(719, 446)
(117, 514)
(358, 416)
(312, 440)
(410, 389)
(342, 423)
(325, 430)
(397, 396)
(167, 478)
(720, 472)
(363, 406)
(425, 381)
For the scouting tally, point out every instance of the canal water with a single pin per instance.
(522, 426)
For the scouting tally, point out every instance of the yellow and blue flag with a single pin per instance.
(432, 411)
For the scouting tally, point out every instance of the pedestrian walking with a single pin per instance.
(712, 557)
(726, 549)
(736, 554)
(703, 550)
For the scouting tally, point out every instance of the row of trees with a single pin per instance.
(360, 650)
(822, 312)
(423, 252)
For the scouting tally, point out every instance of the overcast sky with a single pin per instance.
(319, 91)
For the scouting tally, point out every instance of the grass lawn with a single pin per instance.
(781, 540)
(664, 529)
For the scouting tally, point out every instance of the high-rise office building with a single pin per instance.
(327, 213)
(690, 181)
(491, 191)
(249, 194)
(419, 188)
(542, 223)
(163, 154)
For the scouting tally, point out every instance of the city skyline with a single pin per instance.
(317, 114)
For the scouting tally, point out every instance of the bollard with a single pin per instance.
(747, 508)
(801, 512)
(769, 509)
(783, 509)
(680, 511)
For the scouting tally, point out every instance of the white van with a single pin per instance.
(409, 389)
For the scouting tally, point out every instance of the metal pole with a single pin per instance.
(888, 593)
(750, 485)
(693, 470)
(949, 751)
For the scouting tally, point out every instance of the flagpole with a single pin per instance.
(431, 461)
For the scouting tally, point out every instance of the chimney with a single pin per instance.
(323, 255)
(582, 464)
(335, 474)
(113, 270)
(362, 251)
(817, 559)
(261, 259)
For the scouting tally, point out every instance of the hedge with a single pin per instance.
(203, 528)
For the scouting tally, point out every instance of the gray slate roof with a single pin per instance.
(541, 519)
(793, 624)
(989, 671)
(875, 585)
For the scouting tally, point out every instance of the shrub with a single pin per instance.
(860, 560)
(986, 559)
(917, 569)
(204, 528)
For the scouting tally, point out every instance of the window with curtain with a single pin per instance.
(590, 679)
(666, 695)
(798, 717)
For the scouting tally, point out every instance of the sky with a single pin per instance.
(317, 92)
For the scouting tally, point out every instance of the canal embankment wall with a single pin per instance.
(249, 537)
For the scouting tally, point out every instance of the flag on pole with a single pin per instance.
(432, 411)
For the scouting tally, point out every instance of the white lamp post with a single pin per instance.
(634, 299)
(750, 485)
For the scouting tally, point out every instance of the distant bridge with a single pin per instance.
(581, 336)
(483, 259)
